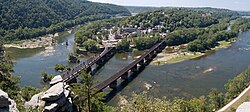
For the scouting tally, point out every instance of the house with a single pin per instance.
(129, 30)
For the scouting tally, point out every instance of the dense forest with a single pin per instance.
(24, 19)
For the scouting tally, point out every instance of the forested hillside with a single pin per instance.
(34, 16)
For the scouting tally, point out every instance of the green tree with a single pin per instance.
(46, 77)
(84, 95)
(216, 99)
(60, 67)
(73, 58)
(145, 103)
(91, 45)
(27, 92)
(123, 45)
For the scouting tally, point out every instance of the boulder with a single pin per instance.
(54, 92)
(34, 101)
(66, 93)
(57, 98)
(7, 104)
(12, 107)
(52, 107)
(67, 87)
(56, 80)
(4, 99)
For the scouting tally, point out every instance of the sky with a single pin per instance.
(239, 5)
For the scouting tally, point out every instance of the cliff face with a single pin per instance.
(7, 104)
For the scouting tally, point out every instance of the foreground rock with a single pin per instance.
(56, 80)
(35, 102)
(55, 99)
(7, 104)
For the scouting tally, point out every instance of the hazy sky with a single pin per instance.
(229, 4)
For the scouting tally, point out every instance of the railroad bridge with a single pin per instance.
(99, 60)
(132, 69)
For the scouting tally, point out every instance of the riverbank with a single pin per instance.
(180, 53)
(39, 42)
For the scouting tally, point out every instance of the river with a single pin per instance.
(185, 79)
(190, 78)
(30, 62)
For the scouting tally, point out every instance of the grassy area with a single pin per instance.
(184, 57)
(225, 44)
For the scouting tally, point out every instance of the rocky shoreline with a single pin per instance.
(39, 42)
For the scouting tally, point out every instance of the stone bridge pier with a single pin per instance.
(125, 76)
(113, 85)
(89, 70)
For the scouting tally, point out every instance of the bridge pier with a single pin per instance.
(134, 68)
(159, 49)
(113, 85)
(141, 62)
(105, 58)
(148, 58)
(108, 55)
(89, 70)
(125, 76)
(100, 61)
(151, 55)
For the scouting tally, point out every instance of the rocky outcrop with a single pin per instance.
(56, 80)
(55, 99)
(54, 93)
(35, 102)
(7, 104)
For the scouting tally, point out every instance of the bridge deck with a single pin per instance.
(116, 76)
(68, 76)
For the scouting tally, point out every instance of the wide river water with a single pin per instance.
(184, 79)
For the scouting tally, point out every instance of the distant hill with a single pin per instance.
(41, 14)
(140, 9)
(244, 13)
